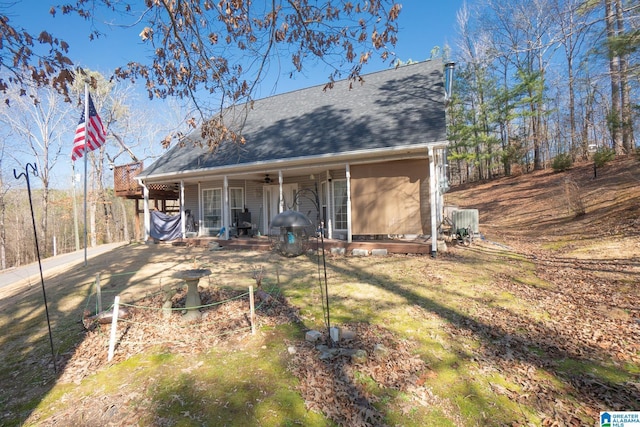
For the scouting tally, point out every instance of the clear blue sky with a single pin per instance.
(423, 25)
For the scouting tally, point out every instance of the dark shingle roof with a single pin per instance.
(392, 109)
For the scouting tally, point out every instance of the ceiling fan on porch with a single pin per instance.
(266, 180)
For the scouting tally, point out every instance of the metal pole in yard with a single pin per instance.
(25, 174)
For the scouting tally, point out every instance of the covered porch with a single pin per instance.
(390, 197)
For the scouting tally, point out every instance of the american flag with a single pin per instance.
(96, 132)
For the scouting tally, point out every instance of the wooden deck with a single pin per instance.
(125, 184)
(418, 247)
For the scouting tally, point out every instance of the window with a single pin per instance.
(236, 204)
(340, 204)
(212, 208)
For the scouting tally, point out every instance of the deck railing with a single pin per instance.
(124, 179)
(126, 185)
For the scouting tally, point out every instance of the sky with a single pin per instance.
(423, 24)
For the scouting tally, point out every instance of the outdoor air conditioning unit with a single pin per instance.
(463, 218)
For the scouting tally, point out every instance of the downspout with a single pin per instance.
(225, 207)
(437, 201)
(443, 185)
(183, 226)
(348, 173)
(433, 203)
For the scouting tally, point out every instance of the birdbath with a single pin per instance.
(193, 301)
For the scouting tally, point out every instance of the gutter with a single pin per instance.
(325, 160)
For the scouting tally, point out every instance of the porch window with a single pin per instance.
(212, 208)
(236, 204)
(340, 204)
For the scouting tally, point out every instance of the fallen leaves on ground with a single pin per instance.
(340, 386)
(583, 323)
(224, 316)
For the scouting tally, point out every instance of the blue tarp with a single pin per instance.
(165, 227)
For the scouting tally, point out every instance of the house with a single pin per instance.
(373, 153)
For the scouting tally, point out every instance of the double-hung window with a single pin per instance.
(236, 204)
(340, 204)
(212, 209)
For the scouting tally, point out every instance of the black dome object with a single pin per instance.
(290, 219)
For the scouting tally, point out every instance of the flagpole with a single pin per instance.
(86, 139)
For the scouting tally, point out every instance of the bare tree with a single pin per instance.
(628, 141)
(129, 127)
(38, 123)
(620, 24)
(573, 25)
(3, 231)
(221, 48)
(614, 75)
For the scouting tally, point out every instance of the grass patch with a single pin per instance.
(558, 245)
(605, 373)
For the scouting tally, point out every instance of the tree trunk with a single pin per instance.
(628, 141)
(572, 109)
(92, 221)
(3, 248)
(125, 225)
(44, 223)
(107, 217)
(614, 70)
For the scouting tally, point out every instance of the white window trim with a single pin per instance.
(243, 202)
(202, 215)
(333, 204)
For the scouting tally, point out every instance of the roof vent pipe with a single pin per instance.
(448, 79)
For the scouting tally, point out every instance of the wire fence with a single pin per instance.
(157, 318)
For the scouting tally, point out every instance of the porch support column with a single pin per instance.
(433, 203)
(147, 213)
(183, 226)
(329, 208)
(348, 174)
(225, 207)
(281, 196)
(200, 209)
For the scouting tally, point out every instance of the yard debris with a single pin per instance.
(104, 317)
(329, 375)
(312, 336)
